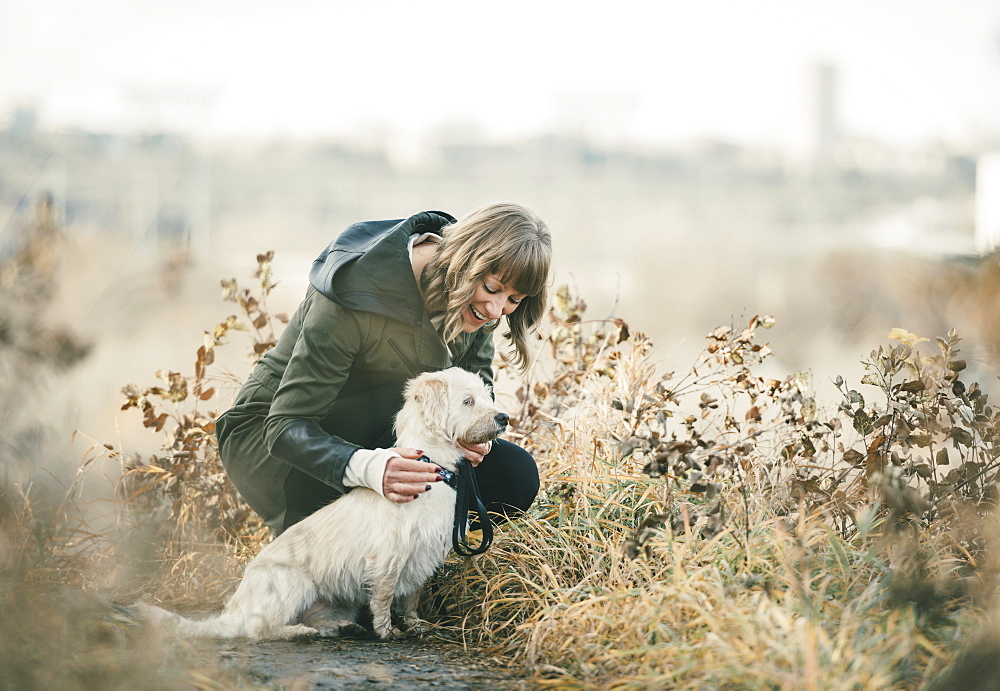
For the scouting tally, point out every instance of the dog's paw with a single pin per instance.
(393, 634)
(342, 628)
(416, 625)
(294, 631)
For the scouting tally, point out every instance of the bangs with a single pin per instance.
(526, 269)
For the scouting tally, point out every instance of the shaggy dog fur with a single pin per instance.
(361, 549)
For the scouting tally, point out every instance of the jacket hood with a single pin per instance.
(367, 267)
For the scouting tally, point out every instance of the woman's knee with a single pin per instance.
(525, 489)
(508, 480)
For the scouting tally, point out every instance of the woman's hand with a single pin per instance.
(406, 478)
(475, 452)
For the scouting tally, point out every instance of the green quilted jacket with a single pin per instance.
(334, 381)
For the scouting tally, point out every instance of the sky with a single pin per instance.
(907, 71)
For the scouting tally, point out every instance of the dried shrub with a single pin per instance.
(718, 528)
(182, 513)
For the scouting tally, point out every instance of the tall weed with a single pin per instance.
(179, 506)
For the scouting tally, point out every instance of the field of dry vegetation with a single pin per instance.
(706, 528)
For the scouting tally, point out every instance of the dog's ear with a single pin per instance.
(431, 396)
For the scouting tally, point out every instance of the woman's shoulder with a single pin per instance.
(317, 307)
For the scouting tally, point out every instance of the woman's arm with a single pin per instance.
(325, 347)
(330, 339)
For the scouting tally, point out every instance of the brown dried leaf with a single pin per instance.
(961, 436)
(631, 548)
(876, 444)
(150, 419)
(722, 333)
(853, 456)
(942, 457)
(229, 290)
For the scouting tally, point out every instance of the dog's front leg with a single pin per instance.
(383, 574)
(408, 607)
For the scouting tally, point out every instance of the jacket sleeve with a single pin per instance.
(327, 344)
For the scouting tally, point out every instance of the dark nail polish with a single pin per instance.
(428, 488)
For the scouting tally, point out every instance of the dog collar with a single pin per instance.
(450, 477)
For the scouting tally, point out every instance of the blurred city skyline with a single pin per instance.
(646, 73)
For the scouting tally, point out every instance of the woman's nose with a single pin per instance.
(495, 307)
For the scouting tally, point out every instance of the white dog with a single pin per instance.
(362, 548)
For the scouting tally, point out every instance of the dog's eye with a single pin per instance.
(468, 401)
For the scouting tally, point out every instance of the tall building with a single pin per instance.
(988, 202)
(823, 126)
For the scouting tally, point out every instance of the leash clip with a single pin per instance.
(450, 477)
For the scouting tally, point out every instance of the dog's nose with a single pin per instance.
(501, 419)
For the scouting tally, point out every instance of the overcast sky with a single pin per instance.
(909, 71)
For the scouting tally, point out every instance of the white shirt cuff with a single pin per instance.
(366, 468)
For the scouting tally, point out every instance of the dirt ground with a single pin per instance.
(362, 662)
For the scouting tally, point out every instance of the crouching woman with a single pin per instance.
(387, 300)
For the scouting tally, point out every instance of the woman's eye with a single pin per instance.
(489, 290)
(515, 301)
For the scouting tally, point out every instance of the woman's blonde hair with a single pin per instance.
(502, 238)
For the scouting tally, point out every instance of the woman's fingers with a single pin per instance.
(474, 452)
(406, 452)
(406, 478)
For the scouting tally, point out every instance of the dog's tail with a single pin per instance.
(221, 626)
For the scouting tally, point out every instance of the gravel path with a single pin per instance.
(355, 662)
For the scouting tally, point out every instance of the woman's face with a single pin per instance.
(491, 300)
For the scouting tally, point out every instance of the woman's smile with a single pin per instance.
(492, 299)
(474, 319)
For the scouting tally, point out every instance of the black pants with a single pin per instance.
(507, 479)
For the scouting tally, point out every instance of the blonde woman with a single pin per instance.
(387, 301)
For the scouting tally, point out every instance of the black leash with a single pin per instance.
(463, 481)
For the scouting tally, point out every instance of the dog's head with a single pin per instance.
(449, 405)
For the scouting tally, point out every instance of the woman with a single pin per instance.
(387, 300)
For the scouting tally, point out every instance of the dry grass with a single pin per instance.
(801, 609)
(707, 530)
(790, 590)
